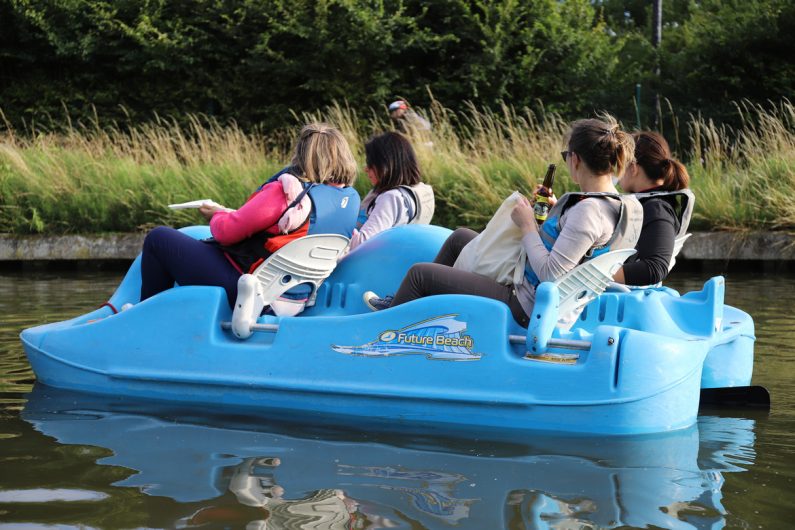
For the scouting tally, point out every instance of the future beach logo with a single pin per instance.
(440, 338)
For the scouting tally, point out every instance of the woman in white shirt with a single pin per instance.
(398, 196)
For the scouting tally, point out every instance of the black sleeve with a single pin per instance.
(655, 245)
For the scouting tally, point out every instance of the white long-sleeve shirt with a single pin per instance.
(589, 223)
(389, 210)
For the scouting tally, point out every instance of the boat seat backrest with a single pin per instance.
(305, 261)
(586, 282)
(308, 260)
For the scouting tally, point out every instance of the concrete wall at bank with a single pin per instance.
(702, 246)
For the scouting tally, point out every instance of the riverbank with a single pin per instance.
(715, 247)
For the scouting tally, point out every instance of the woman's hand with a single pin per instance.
(552, 199)
(208, 211)
(522, 216)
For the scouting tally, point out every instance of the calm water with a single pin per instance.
(69, 461)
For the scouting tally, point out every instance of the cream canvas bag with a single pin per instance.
(497, 251)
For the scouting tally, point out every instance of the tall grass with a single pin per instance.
(92, 178)
(745, 178)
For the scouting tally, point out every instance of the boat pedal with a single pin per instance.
(555, 358)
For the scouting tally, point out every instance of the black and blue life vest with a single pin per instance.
(625, 234)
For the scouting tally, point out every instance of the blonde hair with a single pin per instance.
(602, 145)
(322, 155)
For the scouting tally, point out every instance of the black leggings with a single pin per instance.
(439, 277)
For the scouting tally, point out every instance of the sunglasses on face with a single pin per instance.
(565, 154)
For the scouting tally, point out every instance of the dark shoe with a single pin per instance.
(376, 303)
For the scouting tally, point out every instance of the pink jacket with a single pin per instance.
(264, 210)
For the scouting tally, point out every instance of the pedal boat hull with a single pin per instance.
(441, 361)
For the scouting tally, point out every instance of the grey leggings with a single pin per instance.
(439, 277)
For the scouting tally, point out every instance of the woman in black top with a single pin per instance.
(654, 169)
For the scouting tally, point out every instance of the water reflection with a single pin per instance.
(251, 472)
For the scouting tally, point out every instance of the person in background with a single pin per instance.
(580, 226)
(318, 181)
(654, 171)
(406, 120)
(398, 196)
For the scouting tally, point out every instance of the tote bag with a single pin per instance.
(497, 251)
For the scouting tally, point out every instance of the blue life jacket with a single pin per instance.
(334, 210)
(625, 234)
(325, 217)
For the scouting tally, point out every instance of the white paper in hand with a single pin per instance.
(194, 204)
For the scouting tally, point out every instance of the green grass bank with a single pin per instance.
(96, 178)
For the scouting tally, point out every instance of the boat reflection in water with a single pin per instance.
(252, 472)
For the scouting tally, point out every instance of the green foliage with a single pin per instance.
(256, 61)
(730, 50)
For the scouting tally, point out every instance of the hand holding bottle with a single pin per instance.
(542, 203)
(552, 198)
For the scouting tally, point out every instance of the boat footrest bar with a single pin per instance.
(254, 327)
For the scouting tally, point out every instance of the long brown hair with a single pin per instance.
(654, 156)
(602, 145)
(391, 156)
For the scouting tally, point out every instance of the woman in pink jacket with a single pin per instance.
(277, 213)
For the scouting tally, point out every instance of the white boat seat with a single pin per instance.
(559, 303)
(585, 282)
(308, 260)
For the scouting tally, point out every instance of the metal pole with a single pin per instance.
(637, 104)
(656, 38)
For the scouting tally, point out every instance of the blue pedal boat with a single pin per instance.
(632, 364)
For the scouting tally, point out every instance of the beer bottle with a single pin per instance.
(541, 207)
